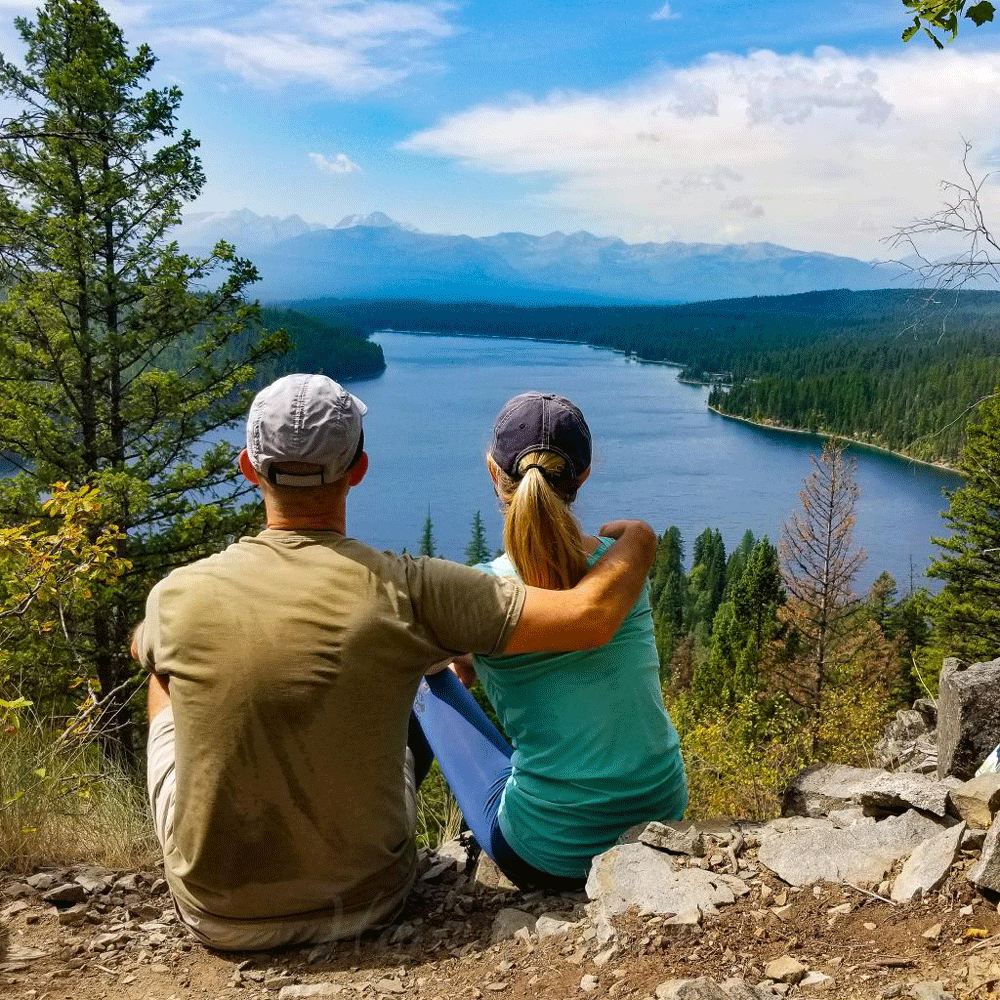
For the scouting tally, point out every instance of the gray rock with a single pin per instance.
(666, 838)
(43, 881)
(66, 894)
(897, 742)
(973, 840)
(306, 990)
(785, 970)
(862, 853)
(94, 880)
(928, 709)
(73, 915)
(740, 989)
(986, 874)
(900, 791)
(552, 925)
(968, 716)
(929, 991)
(690, 989)
(823, 788)
(635, 875)
(508, 922)
(928, 866)
(977, 800)
(457, 851)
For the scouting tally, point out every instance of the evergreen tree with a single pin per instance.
(668, 620)
(477, 551)
(669, 560)
(112, 371)
(744, 627)
(707, 582)
(428, 547)
(819, 566)
(967, 611)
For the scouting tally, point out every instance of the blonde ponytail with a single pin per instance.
(540, 534)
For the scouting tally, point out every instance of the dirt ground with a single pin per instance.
(130, 946)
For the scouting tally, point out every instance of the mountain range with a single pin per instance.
(373, 256)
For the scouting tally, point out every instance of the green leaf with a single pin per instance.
(980, 13)
(911, 30)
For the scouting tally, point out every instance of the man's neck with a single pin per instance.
(284, 522)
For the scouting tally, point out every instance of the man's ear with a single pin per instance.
(249, 472)
(358, 472)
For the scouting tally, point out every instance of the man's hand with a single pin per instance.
(588, 615)
(615, 529)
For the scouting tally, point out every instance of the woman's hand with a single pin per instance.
(460, 666)
(464, 670)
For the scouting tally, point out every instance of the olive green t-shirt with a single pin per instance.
(294, 658)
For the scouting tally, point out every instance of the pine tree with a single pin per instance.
(819, 567)
(428, 547)
(113, 371)
(477, 551)
(744, 627)
(967, 611)
(669, 560)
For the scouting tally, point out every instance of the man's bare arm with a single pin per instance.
(588, 615)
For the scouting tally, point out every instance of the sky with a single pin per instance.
(801, 123)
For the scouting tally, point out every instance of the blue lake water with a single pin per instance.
(659, 453)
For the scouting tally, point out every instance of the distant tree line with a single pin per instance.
(895, 368)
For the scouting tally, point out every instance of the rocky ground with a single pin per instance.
(91, 933)
(875, 884)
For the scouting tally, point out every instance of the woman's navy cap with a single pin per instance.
(536, 421)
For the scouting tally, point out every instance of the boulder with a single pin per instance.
(823, 788)
(986, 874)
(667, 838)
(508, 922)
(901, 791)
(897, 744)
(863, 852)
(968, 716)
(66, 894)
(635, 875)
(977, 800)
(928, 866)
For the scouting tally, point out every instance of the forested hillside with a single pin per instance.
(896, 368)
(321, 345)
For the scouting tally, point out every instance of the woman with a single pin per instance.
(595, 752)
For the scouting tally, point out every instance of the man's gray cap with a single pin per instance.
(304, 418)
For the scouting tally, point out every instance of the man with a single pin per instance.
(281, 784)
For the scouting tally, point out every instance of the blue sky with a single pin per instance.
(802, 123)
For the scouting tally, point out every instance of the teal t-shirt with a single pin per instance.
(595, 751)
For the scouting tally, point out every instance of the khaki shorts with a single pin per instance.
(260, 935)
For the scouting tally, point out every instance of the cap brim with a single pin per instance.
(362, 409)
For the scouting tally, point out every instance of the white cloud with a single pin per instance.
(665, 14)
(822, 151)
(339, 164)
(350, 46)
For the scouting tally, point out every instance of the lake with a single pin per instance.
(659, 453)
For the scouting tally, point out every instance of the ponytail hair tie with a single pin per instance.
(535, 465)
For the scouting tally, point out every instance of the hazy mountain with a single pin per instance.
(374, 256)
(246, 230)
(377, 220)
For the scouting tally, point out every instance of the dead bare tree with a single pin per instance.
(819, 564)
(962, 217)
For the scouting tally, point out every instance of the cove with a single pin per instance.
(659, 453)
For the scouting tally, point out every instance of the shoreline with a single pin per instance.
(942, 466)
